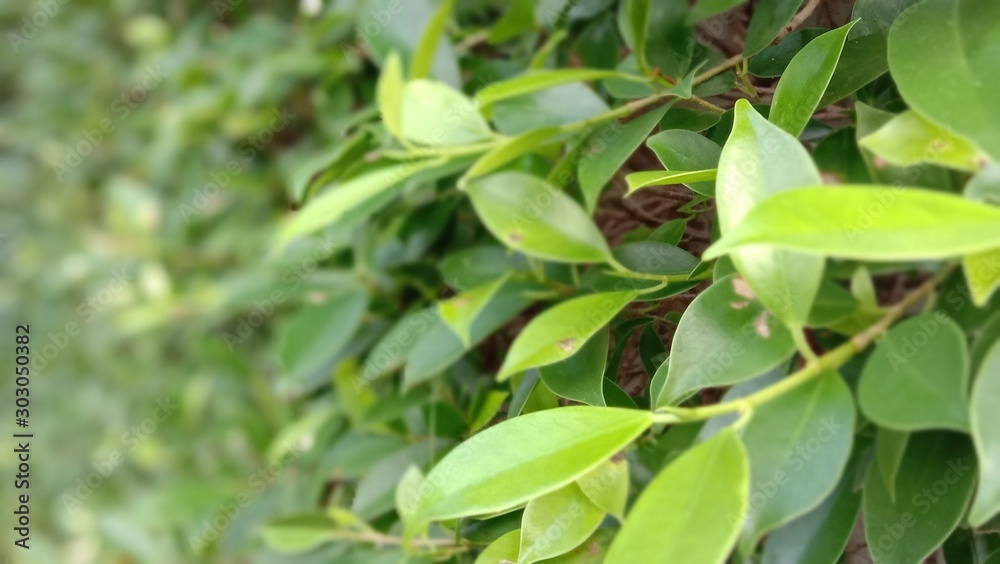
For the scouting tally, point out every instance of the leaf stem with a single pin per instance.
(829, 361)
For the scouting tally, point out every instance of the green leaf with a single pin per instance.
(319, 332)
(890, 446)
(633, 19)
(769, 17)
(389, 94)
(670, 41)
(986, 436)
(504, 549)
(909, 139)
(932, 490)
(820, 536)
(772, 62)
(400, 28)
(682, 150)
(804, 81)
(535, 81)
(509, 150)
(527, 214)
(517, 19)
(725, 336)
(408, 492)
(299, 533)
(692, 510)
(868, 222)
(592, 551)
(328, 165)
(460, 312)
(691, 120)
(653, 257)
(437, 114)
(639, 180)
(607, 486)
(354, 196)
(560, 331)
(918, 376)
(552, 107)
(508, 464)
(943, 59)
(607, 148)
(982, 272)
(758, 161)
(705, 9)
(423, 56)
(556, 523)
(581, 376)
(798, 445)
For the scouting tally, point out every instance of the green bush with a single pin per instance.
(566, 281)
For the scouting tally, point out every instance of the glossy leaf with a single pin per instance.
(556, 523)
(942, 58)
(759, 161)
(607, 148)
(423, 56)
(542, 79)
(917, 378)
(910, 139)
(318, 333)
(875, 223)
(932, 490)
(768, 19)
(804, 81)
(508, 151)
(890, 446)
(607, 486)
(682, 150)
(986, 436)
(581, 376)
(772, 62)
(725, 336)
(527, 214)
(552, 107)
(389, 94)
(460, 312)
(503, 549)
(798, 444)
(706, 492)
(982, 272)
(299, 533)
(436, 114)
(508, 464)
(560, 331)
(639, 180)
(653, 257)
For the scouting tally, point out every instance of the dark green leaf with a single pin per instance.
(580, 377)
(682, 150)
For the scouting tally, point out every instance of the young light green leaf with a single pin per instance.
(437, 114)
(868, 222)
(408, 492)
(820, 536)
(509, 464)
(682, 150)
(805, 80)
(607, 148)
(638, 180)
(559, 332)
(423, 56)
(933, 487)
(769, 17)
(508, 151)
(986, 436)
(460, 312)
(691, 511)
(504, 549)
(890, 446)
(758, 161)
(910, 139)
(299, 533)
(607, 485)
(982, 272)
(318, 333)
(725, 336)
(556, 523)
(581, 376)
(705, 9)
(329, 165)
(798, 444)
(527, 214)
(942, 58)
(543, 79)
(389, 94)
(917, 378)
(350, 196)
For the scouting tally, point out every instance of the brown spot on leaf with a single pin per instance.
(515, 237)
(879, 162)
(760, 325)
(739, 305)
(594, 548)
(618, 457)
(566, 345)
(743, 289)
